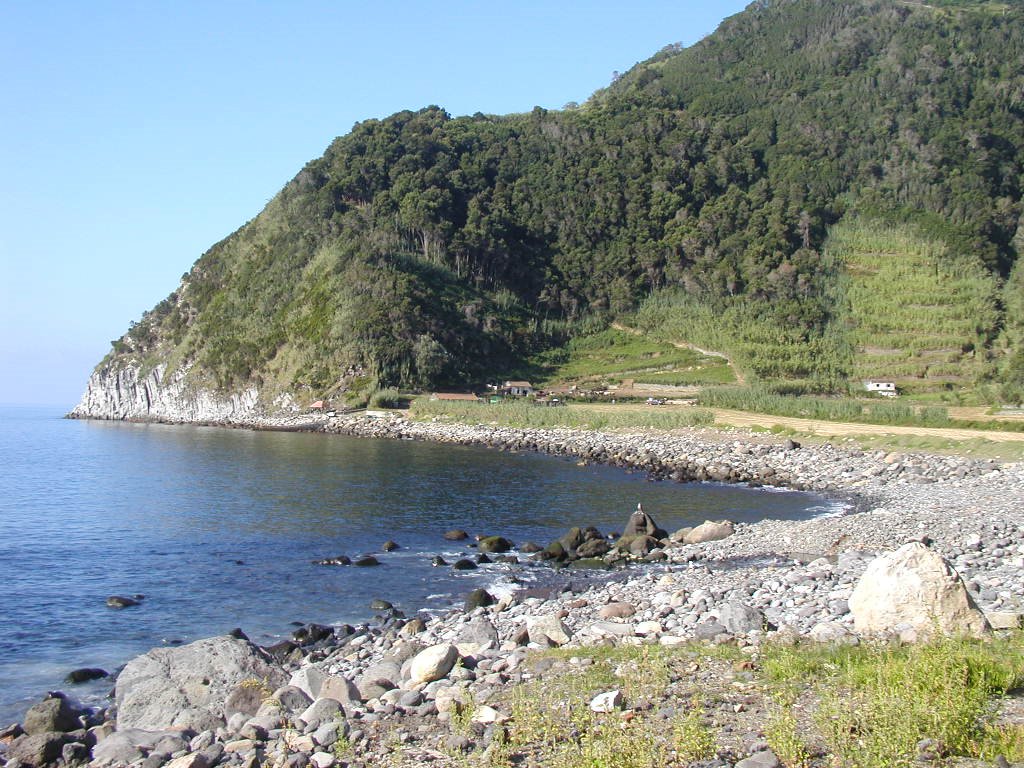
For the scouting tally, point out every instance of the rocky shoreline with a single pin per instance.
(390, 691)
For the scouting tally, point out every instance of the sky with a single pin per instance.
(133, 136)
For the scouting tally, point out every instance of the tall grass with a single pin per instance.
(527, 415)
(878, 702)
(762, 400)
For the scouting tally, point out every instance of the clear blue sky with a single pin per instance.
(135, 135)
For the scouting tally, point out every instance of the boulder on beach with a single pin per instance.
(710, 531)
(637, 544)
(642, 524)
(433, 663)
(188, 686)
(548, 630)
(915, 593)
(51, 714)
(479, 598)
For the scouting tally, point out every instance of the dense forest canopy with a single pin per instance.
(423, 250)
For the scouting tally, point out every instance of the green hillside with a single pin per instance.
(916, 315)
(696, 192)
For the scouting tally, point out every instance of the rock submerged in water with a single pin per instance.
(85, 674)
(497, 544)
(119, 601)
(339, 560)
(390, 546)
(456, 534)
(464, 565)
(366, 561)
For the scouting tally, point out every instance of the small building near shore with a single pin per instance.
(518, 388)
(882, 388)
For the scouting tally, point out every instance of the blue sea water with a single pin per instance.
(218, 528)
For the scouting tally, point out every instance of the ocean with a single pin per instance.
(218, 529)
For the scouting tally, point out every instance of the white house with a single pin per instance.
(518, 388)
(883, 388)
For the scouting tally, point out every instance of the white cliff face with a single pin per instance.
(121, 393)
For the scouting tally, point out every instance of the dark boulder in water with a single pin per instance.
(456, 534)
(494, 544)
(381, 605)
(118, 601)
(390, 546)
(366, 561)
(464, 565)
(483, 559)
(530, 547)
(438, 560)
(479, 598)
(85, 674)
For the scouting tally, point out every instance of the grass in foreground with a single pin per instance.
(816, 706)
(525, 414)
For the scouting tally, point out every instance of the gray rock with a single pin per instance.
(322, 711)
(548, 630)
(340, 689)
(764, 759)
(642, 524)
(244, 699)
(37, 749)
(53, 714)
(739, 618)
(480, 633)
(292, 699)
(188, 687)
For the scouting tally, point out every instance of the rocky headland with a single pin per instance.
(391, 691)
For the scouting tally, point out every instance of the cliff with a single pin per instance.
(124, 392)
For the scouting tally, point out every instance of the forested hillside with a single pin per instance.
(424, 250)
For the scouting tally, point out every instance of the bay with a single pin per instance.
(218, 528)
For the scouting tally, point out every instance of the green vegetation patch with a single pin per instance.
(915, 313)
(524, 414)
(617, 353)
(872, 705)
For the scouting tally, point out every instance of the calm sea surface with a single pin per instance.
(218, 527)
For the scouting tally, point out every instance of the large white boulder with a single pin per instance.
(187, 687)
(433, 663)
(914, 592)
